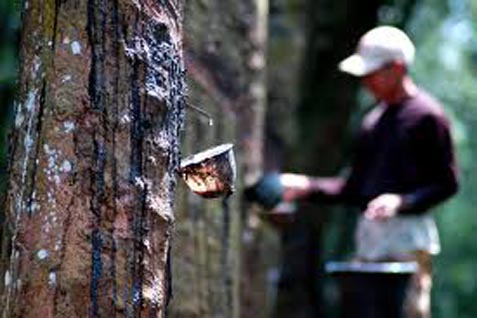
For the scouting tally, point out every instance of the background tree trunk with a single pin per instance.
(321, 105)
(93, 158)
(225, 46)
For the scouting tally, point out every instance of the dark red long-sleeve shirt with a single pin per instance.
(404, 149)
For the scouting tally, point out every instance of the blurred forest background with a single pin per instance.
(445, 33)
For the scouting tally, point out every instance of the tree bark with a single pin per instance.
(92, 160)
(225, 46)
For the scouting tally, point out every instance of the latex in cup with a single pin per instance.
(210, 173)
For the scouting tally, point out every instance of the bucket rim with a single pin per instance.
(371, 267)
(206, 154)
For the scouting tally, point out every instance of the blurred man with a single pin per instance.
(403, 165)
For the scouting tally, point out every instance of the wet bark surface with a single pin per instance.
(92, 161)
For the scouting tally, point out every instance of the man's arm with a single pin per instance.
(435, 155)
(303, 187)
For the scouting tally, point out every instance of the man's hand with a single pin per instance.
(295, 186)
(383, 207)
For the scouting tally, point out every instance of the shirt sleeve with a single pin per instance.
(345, 189)
(327, 189)
(432, 146)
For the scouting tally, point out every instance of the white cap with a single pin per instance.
(376, 48)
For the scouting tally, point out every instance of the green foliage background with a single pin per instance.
(9, 26)
(446, 65)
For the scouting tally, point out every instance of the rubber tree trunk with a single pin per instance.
(225, 46)
(92, 160)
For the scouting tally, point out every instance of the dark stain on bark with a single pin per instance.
(138, 271)
(96, 28)
(96, 94)
(226, 271)
(136, 127)
(98, 193)
(135, 258)
(55, 25)
(114, 127)
(96, 271)
(169, 279)
(91, 28)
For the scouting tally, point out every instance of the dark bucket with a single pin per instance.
(267, 192)
(372, 290)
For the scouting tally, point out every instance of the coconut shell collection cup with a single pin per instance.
(210, 173)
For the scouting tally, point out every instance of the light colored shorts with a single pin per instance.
(400, 235)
